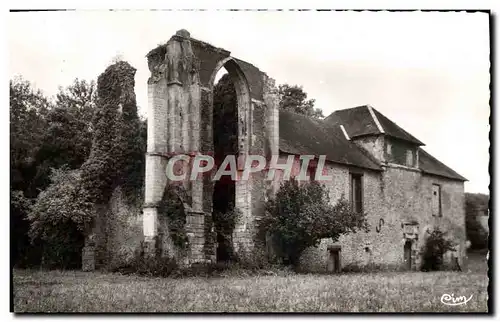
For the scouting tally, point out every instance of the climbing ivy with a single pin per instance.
(172, 210)
(117, 154)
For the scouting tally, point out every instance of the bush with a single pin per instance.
(254, 259)
(58, 219)
(435, 247)
(301, 215)
(156, 266)
(224, 224)
(151, 266)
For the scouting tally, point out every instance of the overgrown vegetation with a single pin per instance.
(116, 154)
(45, 134)
(436, 245)
(58, 219)
(171, 209)
(77, 145)
(476, 206)
(85, 145)
(301, 215)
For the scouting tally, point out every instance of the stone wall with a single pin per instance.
(392, 198)
(373, 144)
(123, 229)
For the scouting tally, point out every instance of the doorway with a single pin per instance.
(333, 265)
(407, 255)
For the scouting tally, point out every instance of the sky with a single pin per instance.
(426, 71)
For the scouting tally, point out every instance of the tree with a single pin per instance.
(301, 215)
(28, 123)
(294, 99)
(68, 136)
(19, 225)
(476, 204)
(80, 98)
(58, 219)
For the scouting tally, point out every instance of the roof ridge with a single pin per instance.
(330, 128)
(375, 119)
(296, 138)
(399, 128)
(350, 108)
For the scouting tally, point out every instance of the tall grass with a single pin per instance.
(56, 291)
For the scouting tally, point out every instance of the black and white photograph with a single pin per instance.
(250, 161)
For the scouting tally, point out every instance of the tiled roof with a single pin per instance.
(359, 121)
(431, 165)
(300, 134)
(303, 135)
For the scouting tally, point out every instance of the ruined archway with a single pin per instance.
(230, 101)
(180, 121)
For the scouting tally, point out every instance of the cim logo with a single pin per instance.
(448, 299)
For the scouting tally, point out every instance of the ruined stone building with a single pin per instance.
(384, 172)
(375, 163)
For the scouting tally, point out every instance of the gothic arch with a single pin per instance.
(180, 121)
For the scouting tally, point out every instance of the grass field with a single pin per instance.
(70, 291)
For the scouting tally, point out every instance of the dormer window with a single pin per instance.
(400, 152)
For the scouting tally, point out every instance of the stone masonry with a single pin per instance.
(180, 92)
(398, 199)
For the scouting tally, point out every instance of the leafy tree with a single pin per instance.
(28, 122)
(294, 99)
(47, 135)
(301, 215)
(476, 204)
(79, 97)
(436, 245)
(68, 136)
(19, 225)
(58, 219)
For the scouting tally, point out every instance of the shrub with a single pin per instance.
(59, 217)
(301, 215)
(156, 266)
(433, 250)
(151, 266)
(224, 224)
(254, 259)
